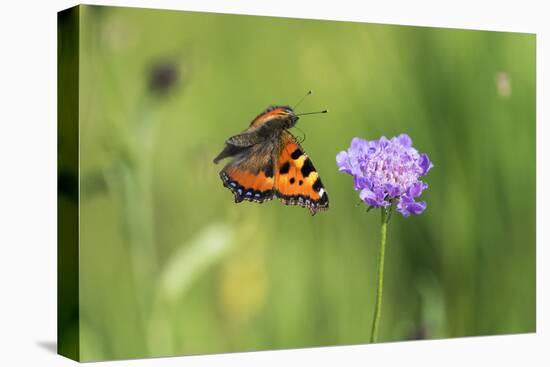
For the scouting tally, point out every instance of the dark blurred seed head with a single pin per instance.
(97, 11)
(419, 332)
(163, 77)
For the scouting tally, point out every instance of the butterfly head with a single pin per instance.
(287, 115)
(283, 117)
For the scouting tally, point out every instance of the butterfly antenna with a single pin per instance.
(311, 113)
(301, 100)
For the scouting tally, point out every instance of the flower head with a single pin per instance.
(386, 171)
(163, 76)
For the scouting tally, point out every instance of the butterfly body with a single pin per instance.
(267, 161)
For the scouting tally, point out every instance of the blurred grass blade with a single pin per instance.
(194, 258)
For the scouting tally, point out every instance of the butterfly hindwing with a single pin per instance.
(296, 179)
(250, 174)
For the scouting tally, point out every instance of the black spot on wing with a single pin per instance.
(323, 201)
(296, 154)
(292, 179)
(269, 170)
(307, 168)
(284, 168)
(317, 185)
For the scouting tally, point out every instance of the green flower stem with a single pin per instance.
(378, 306)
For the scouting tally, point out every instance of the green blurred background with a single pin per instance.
(169, 264)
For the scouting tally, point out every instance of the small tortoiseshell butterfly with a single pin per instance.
(267, 161)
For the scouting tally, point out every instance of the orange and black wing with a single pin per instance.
(250, 175)
(296, 180)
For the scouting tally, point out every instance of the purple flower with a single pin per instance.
(387, 171)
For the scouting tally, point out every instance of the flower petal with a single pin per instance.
(372, 198)
(358, 146)
(405, 140)
(342, 160)
(415, 190)
(383, 142)
(360, 182)
(392, 190)
(408, 206)
(425, 164)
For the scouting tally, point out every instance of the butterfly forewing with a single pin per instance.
(296, 179)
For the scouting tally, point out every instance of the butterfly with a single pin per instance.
(267, 161)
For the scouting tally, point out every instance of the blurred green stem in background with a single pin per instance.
(134, 182)
(139, 204)
(135, 185)
(385, 217)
